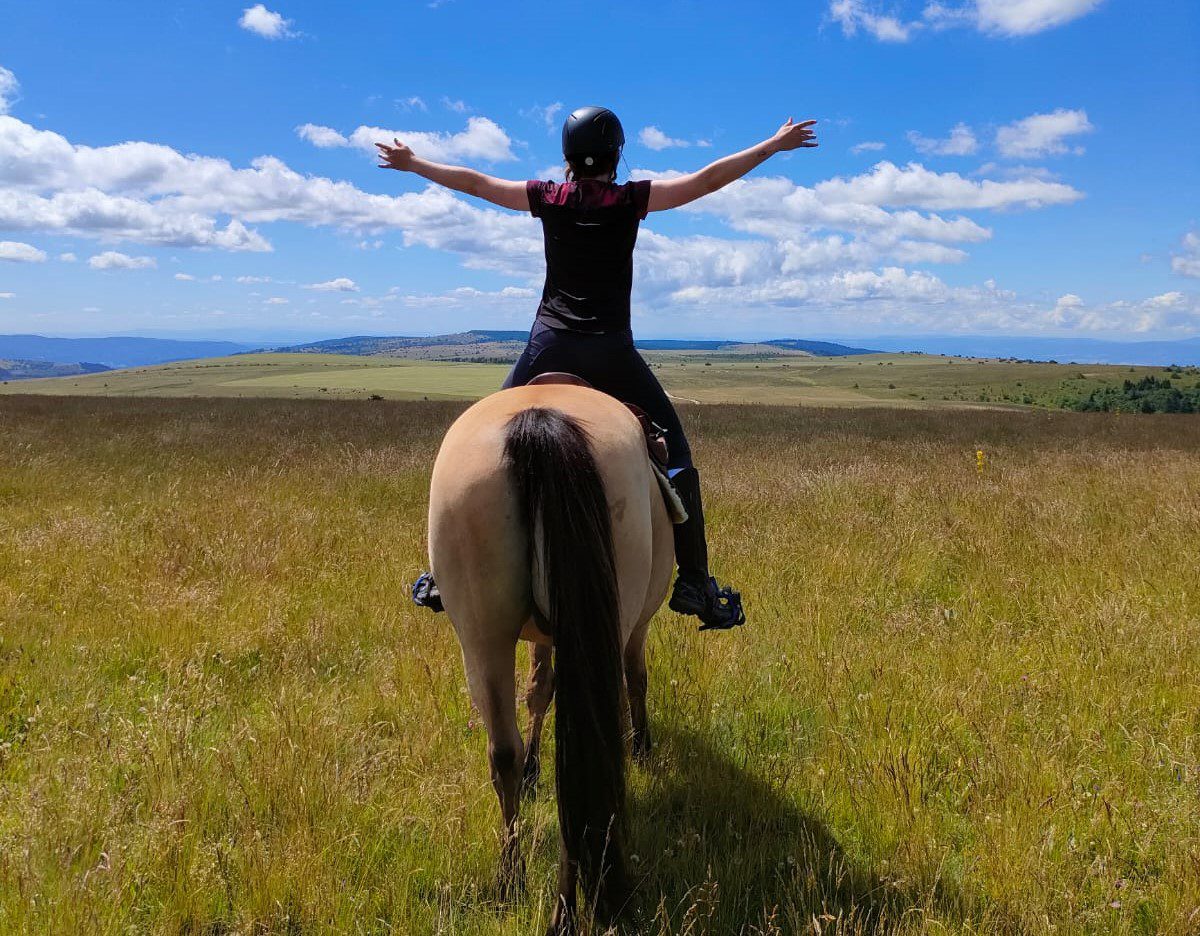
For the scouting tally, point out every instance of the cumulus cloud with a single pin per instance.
(115, 260)
(149, 193)
(1187, 261)
(454, 104)
(275, 300)
(9, 86)
(341, 284)
(655, 139)
(993, 17)
(867, 146)
(853, 15)
(460, 296)
(914, 185)
(483, 140)
(266, 23)
(547, 115)
(412, 102)
(1024, 17)
(8, 295)
(960, 142)
(254, 279)
(323, 137)
(185, 277)
(1042, 134)
(18, 252)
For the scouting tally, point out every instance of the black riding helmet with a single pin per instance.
(591, 131)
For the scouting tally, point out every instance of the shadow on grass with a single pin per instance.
(720, 850)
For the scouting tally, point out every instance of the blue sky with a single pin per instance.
(986, 166)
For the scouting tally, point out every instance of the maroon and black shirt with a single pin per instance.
(590, 228)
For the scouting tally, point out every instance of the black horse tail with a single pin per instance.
(562, 494)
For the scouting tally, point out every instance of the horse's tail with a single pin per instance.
(563, 497)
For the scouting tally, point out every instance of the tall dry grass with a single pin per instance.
(964, 702)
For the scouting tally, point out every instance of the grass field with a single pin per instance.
(905, 380)
(965, 702)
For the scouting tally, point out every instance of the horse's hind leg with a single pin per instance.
(636, 684)
(491, 677)
(537, 698)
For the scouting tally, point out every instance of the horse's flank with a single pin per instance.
(474, 512)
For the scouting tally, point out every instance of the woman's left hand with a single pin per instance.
(395, 157)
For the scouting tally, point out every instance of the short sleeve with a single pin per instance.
(641, 198)
(536, 191)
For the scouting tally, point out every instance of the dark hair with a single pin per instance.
(603, 164)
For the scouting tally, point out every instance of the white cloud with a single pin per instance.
(341, 284)
(266, 23)
(1187, 263)
(890, 185)
(185, 277)
(458, 106)
(961, 142)
(275, 300)
(461, 296)
(867, 146)
(115, 260)
(9, 86)
(1024, 17)
(482, 140)
(547, 115)
(854, 14)
(655, 139)
(993, 17)
(323, 137)
(412, 102)
(67, 257)
(8, 295)
(1168, 313)
(18, 252)
(152, 194)
(1042, 134)
(254, 279)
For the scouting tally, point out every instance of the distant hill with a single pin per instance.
(112, 352)
(1063, 350)
(24, 370)
(484, 345)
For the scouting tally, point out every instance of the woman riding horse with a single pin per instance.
(582, 326)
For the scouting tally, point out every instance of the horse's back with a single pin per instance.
(477, 534)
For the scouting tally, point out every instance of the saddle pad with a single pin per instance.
(674, 503)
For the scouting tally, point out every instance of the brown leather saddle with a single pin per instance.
(656, 435)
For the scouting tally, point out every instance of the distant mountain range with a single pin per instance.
(1063, 350)
(24, 356)
(112, 352)
(482, 343)
(23, 370)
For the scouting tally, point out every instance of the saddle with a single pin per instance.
(656, 435)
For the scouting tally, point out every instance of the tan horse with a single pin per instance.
(546, 523)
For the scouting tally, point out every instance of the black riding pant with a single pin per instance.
(610, 363)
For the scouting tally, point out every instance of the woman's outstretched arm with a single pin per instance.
(671, 193)
(500, 192)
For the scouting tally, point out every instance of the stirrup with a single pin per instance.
(425, 593)
(718, 608)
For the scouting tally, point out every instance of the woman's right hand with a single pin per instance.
(395, 157)
(794, 136)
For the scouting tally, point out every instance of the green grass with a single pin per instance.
(903, 380)
(283, 375)
(964, 703)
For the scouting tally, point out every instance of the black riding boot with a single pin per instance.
(696, 592)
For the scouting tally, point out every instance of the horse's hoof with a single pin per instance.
(511, 878)
(530, 777)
